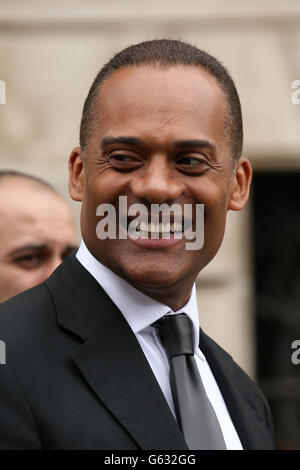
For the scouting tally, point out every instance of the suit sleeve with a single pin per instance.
(18, 430)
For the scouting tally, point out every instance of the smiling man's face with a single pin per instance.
(159, 137)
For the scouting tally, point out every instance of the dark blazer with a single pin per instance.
(76, 377)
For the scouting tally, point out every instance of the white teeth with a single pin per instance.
(156, 228)
(177, 228)
(135, 223)
(144, 227)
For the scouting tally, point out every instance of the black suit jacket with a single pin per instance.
(76, 377)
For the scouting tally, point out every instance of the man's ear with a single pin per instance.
(76, 174)
(240, 185)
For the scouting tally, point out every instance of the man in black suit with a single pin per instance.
(89, 351)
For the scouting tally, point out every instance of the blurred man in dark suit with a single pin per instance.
(114, 357)
(36, 232)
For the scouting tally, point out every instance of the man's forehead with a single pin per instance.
(19, 213)
(21, 226)
(181, 93)
(130, 82)
(161, 104)
(21, 194)
(22, 211)
(25, 225)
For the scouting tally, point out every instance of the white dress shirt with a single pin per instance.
(141, 311)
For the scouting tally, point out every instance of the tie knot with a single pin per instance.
(177, 335)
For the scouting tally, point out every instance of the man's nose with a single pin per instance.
(158, 182)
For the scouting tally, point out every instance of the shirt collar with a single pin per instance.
(139, 310)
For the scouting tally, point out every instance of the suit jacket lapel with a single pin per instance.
(241, 402)
(111, 359)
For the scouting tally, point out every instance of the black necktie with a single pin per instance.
(195, 414)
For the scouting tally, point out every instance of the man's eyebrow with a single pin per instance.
(120, 140)
(28, 247)
(187, 143)
(195, 143)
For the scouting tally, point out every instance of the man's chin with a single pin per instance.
(152, 278)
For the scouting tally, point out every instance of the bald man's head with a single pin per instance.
(36, 232)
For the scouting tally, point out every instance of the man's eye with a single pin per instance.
(191, 161)
(121, 158)
(29, 261)
(124, 162)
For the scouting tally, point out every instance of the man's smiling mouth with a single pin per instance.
(161, 226)
(160, 235)
(153, 230)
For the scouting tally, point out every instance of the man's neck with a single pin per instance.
(175, 297)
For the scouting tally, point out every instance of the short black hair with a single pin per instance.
(4, 174)
(166, 53)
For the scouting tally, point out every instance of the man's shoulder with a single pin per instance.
(216, 353)
(31, 331)
(24, 313)
(37, 318)
(221, 359)
(29, 310)
(223, 365)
